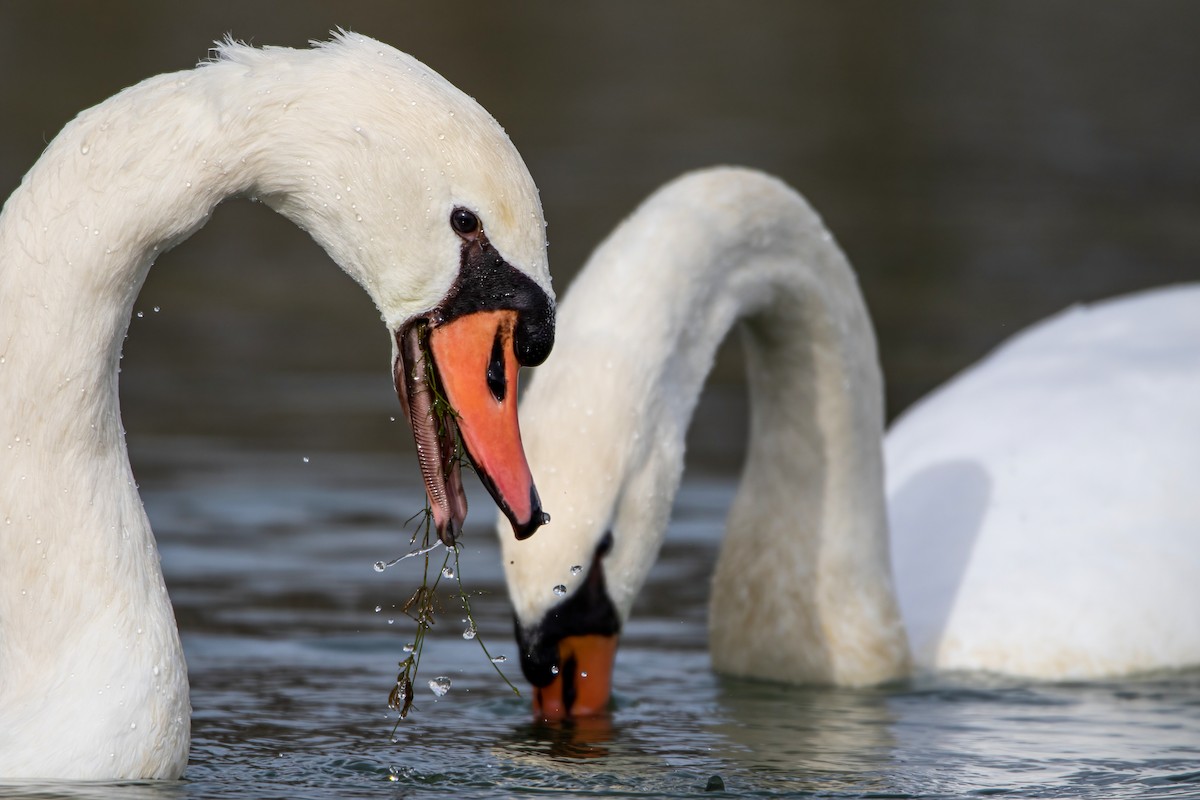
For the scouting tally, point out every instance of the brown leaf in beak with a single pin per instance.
(436, 434)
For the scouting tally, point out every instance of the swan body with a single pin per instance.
(1041, 518)
(1041, 525)
(364, 147)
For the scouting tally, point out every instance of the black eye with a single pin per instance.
(464, 222)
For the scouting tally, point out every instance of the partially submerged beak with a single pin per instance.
(469, 390)
(583, 684)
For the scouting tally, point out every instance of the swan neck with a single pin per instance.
(806, 543)
(803, 588)
(84, 614)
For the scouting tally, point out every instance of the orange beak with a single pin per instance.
(477, 368)
(583, 684)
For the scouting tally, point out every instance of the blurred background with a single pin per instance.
(983, 165)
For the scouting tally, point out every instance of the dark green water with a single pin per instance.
(982, 164)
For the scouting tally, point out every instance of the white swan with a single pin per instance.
(1043, 520)
(408, 184)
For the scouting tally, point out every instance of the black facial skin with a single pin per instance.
(486, 282)
(588, 611)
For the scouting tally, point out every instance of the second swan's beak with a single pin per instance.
(583, 683)
(468, 386)
(569, 652)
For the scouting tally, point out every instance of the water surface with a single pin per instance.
(269, 560)
(982, 164)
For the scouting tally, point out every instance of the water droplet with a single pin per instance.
(575, 570)
(554, 670)
(379, 566)
(408, 648)
(391, 620)
(469, 633)
(85, 148)
(499, 659)
(560, 590)
(155, 670)
(583, 674)
(140, 315)
(440, 686)
(447, 572)
(378, 609)
(305, 459)
(157, 309)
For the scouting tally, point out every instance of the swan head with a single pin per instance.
(610, 460)
(455, 371)
(419, 195)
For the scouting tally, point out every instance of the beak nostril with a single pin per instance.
(496, 380)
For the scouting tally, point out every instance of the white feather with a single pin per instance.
(361, 145)
(1043, 521)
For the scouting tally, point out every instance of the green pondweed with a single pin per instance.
(422, 606)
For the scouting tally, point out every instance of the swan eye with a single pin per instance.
(464, 222)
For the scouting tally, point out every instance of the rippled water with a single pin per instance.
(983, 165)
(270, 562)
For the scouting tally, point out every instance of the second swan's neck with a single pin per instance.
(802, 590)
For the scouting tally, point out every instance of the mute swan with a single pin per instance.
(1042, 517)
(411, 187)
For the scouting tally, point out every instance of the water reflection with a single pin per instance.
(95, 791)
(801, 730)
(573, 740)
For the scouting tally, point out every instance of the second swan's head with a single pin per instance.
(420, 196)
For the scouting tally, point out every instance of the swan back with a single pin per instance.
(1043, 520)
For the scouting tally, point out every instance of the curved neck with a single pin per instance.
(84, 615)
(77, 239)
(85, 621)
(802, 589)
